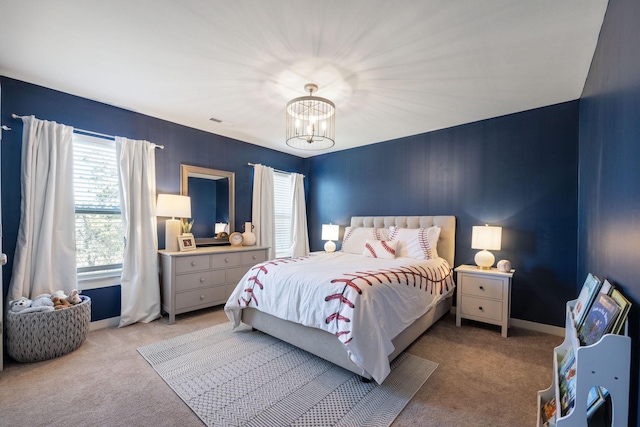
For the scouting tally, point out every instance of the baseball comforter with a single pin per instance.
(364, 301)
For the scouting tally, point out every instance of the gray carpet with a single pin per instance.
(244, 377)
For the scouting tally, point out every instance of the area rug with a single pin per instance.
(247, 378)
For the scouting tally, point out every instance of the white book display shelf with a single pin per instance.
(605, 363)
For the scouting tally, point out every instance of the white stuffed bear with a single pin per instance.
(23, 305)
(42, 300)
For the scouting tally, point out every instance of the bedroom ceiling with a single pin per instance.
(392, 68)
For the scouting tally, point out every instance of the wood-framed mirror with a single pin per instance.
(212, 193)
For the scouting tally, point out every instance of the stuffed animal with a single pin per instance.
(74, 297)
(60, 294)
(23, 305)
(59, 303)
(42, 300)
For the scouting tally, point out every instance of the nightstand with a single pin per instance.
(484, 296)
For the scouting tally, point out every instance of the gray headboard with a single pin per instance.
(447, 224)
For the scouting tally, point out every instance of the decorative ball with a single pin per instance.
(504, 265)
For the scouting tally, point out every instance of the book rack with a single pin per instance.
(605, 363)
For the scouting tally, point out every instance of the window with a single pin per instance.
(99, 235)
(283, 206)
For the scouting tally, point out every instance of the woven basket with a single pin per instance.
(32, 337)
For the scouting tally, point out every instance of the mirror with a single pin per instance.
(212, 201)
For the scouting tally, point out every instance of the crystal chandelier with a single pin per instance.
(310, 121)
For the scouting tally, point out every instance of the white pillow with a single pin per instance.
(355, 238)
(418, 243)
(380, 249)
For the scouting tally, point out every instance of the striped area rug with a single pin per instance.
(246, 378)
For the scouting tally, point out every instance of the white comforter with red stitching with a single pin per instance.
(364, 301)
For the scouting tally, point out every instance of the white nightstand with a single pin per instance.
(484, 296)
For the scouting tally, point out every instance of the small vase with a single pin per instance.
(248, 238)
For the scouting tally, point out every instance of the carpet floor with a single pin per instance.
(244, 378)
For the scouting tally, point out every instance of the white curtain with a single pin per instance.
(140, 289)
(263, 213)
(45, 256)
(300, 237)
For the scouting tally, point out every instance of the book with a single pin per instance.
(595, 399)
(625, 305)
(587, 294)
(567, 379)
(548, 412)
(606, 287)
(599, 320)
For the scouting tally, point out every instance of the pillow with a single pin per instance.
(355, 238)
(380, 249)
(418, 243)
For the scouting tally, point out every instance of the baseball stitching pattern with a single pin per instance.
(424, 244)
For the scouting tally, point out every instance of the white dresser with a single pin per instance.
(204, 277)
(484, 296)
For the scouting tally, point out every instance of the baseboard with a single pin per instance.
(104, 323)
(532, 326)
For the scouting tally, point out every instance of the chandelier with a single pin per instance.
(310, 121)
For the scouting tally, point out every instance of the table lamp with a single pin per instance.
(173, 205)
(330, 232)
(486, 237)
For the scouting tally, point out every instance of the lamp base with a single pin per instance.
(484, 259)
(172, 231)
(329, 246)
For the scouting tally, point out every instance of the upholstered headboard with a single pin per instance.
(447, 224)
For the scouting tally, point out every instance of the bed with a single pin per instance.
(343, 322)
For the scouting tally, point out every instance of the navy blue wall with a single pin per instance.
(517, 171)
(182, 145)
(609, 198)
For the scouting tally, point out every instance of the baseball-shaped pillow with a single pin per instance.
(380, 249)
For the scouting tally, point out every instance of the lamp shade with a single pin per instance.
(173, 205)
(486, 237)
(330, 231)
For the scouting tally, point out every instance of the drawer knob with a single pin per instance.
(193, 263)
(226, 260)
(201, 296)
(254, 257)
(202, 280)
(482, 288)
(480, 308)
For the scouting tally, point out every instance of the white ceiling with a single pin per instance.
(392, 68)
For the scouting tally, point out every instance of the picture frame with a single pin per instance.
(186, 243)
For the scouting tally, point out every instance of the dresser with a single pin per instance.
(203, 277)
(484, 296)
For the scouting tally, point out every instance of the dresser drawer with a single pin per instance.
(199, 280)
(486, 287)
(254, 257)
(225, 260)
(188, 264)
(205, 296)
(235, 274)
(480, 307)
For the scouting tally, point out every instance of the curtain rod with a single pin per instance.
(88, 132)
(277, 170)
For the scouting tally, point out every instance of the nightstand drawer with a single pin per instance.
(188, 264)
(200, 297)
(485, 287)
(480, 307)
(225, 260)
(199, 280)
